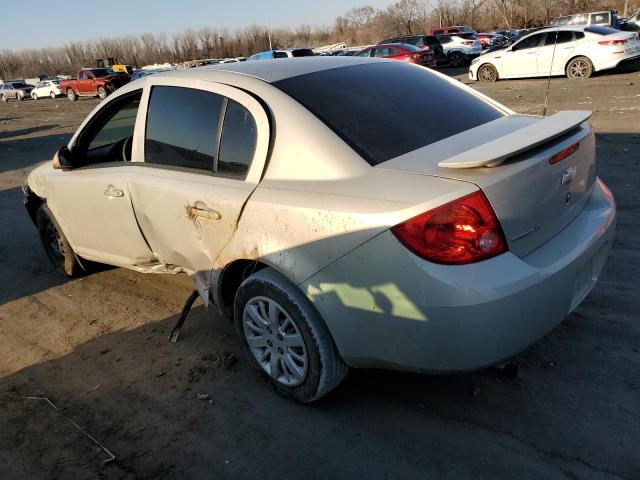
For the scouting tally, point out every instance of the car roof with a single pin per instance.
(272, 70)
(570, 28)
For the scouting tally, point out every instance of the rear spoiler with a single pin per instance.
(493, 153)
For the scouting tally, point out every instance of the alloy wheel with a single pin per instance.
(275, 341)
(487, 74)
(578, 69)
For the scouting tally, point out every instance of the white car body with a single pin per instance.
(322, 212)
(544, 58)
(46, 88)
(470, 48)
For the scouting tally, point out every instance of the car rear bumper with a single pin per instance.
(387, 308)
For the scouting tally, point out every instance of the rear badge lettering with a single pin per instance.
(524, 234)
(567, 175)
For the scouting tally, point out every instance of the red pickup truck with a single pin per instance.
(93, 82)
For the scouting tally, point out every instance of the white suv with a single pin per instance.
(460, 49)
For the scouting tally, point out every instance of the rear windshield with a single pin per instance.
(303, 52)
(383, 110)
(102, 72)
(20, 85)
(409, 47)
(598, 30)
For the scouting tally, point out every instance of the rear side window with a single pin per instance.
(238, 142)
(564, 36)
(280, 55)
(392, 115)
(182, 124)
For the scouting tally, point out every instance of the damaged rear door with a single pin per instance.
(205, 147)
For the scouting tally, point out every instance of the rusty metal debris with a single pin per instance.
(111, 456)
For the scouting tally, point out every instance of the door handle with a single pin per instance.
(200, 209)
(112, 192)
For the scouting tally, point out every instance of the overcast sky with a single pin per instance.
(49, 23)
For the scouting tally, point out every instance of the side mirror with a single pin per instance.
(64, 159)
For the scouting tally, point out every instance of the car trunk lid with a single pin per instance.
(509, 159)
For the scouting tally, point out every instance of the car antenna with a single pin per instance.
(553, 55)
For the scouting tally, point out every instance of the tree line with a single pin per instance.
(359, 26)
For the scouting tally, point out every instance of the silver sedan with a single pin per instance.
(344, 212)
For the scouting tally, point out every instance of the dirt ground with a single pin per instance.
(97, 347)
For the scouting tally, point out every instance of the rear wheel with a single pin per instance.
(56, 246)
(285, 338)
(456, 59)
(71, 95)
(52, 95)
(34, 96)
(579, 68)
(102, 92)
(487, 73)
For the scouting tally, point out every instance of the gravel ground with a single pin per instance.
(97, 347)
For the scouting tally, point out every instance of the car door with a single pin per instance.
(520, 60)
(92, 201)
(204, 150)
(557, 47)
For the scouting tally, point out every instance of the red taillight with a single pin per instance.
(612, 42)
(463, 231)
(562, 154)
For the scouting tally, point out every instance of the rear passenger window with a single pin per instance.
(238, 142)
(182, 124)
(564, 36)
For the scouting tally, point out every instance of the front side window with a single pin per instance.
(364, 53)
(528, 42)
(109, 136)
(182, 125)
(600, 17)
(280, 55)
(238, 141)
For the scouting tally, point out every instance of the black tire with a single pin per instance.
(579, 68)
(4, 98)
(34, 96)
(52, 95)
(456, 59)
(71, 95)
(487, 73)
(324, 369)
(56, 245)
(102, 92)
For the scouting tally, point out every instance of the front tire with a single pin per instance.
(579, 68)
(71, 95)
(285, 338)
(102, 92)
(4, 98)
(487, 73)
(56, 246)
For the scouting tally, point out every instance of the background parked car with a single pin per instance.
(426, 42)
(401, 51)
(287, 53)
(490, 39)
(460, 49)
(451, 30)
(93, 82)
(15, 89)
(631, 23)
(606, 18)
(46, 88)
(571, 51)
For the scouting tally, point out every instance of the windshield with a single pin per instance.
(102, 72)
(303, 52)
(392, 115)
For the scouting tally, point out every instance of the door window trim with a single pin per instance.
(228, 92)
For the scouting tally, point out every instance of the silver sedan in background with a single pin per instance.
(344, 212)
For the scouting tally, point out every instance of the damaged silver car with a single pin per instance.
(344, 212)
